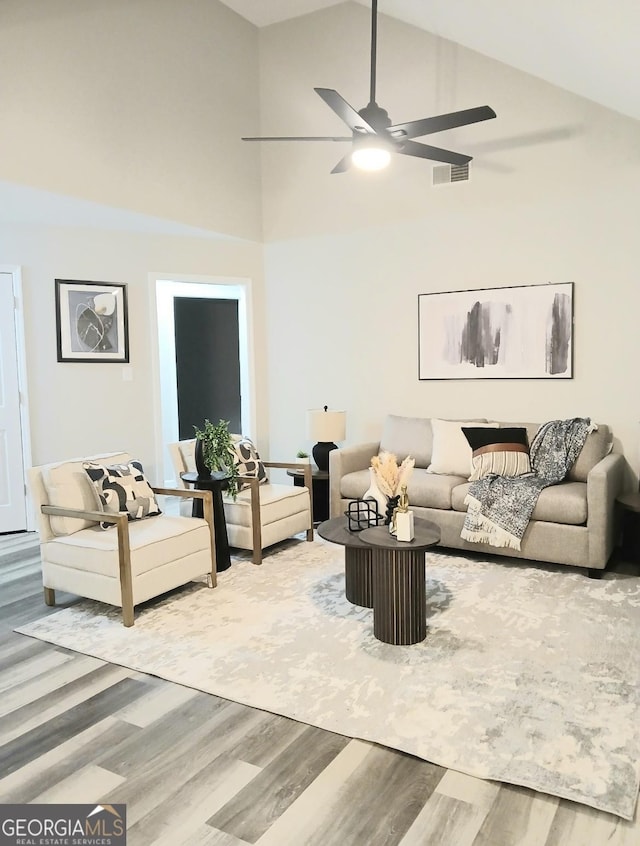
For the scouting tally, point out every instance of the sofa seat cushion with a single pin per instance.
(565, 503)
(432, 490)
(277, 502)
(427, 490)
(154, 543)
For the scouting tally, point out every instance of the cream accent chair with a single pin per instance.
(124, 566)
(261, 514)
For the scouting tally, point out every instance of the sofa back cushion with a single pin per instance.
(598, 444)
(451, 454)
(405, 436)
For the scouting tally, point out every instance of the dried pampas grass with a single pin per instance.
(389, 476)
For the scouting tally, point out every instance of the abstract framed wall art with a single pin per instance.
(520, 332)
(91, 321)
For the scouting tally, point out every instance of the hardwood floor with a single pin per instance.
(195, 769)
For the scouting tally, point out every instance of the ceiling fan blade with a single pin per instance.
(300, 138)
(343, 165)
(424, 151)
(438, 123)
(345, 112)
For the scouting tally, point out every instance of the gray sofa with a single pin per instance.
(573, 523)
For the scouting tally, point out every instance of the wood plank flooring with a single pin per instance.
(196, 769)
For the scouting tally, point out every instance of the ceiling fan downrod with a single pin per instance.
(375, 116)
(374, 42)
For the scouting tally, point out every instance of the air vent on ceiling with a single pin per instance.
(446, 174)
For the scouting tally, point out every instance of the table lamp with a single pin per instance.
(325, 427)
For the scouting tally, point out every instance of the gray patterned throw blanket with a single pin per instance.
(499, 507)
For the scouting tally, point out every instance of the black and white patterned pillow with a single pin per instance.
(248, 461)
(122, 489)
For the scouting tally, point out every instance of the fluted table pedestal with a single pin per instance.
(357, 560)
(399, 582)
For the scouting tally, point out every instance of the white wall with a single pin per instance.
(136, 104)
(554, 197)
(120, 156)
(81, 409)
(141, 105)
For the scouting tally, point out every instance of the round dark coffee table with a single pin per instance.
(399, 582)
(357, 560)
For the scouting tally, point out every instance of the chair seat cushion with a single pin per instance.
(277, 502)
(564, 503)
(154, 543)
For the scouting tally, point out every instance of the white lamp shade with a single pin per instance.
(326, 426)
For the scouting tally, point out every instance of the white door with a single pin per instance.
(13, 508)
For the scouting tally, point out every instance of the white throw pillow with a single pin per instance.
(451, 454)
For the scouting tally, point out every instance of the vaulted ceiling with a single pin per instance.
(585, 46)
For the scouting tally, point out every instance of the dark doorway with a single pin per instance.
(207, 363)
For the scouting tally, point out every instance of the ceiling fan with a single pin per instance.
(374, 137)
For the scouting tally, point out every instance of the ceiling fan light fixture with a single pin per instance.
(373, 135)
(371, 156)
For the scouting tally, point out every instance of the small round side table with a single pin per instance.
(320, 485)
(358, 585)
(214, 483)
(630, 503)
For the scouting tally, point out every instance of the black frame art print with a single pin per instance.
(519, 332)
(92, 321)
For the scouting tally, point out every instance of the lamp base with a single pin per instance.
(321, 452)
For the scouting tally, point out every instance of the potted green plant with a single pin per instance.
(302, 457)
(215, 452)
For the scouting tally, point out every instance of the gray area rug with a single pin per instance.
(528, 675)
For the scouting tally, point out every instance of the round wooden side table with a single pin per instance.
(214, 483)
(358, 584)
(320, 485)
(399, 582)
(630, 503)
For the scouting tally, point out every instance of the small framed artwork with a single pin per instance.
(91, 321)
(519, 332)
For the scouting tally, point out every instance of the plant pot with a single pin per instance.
(201, 468)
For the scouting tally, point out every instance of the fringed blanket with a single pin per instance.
(499, 507)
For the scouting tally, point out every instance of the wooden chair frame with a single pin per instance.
(124, 547)
(254, 486)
